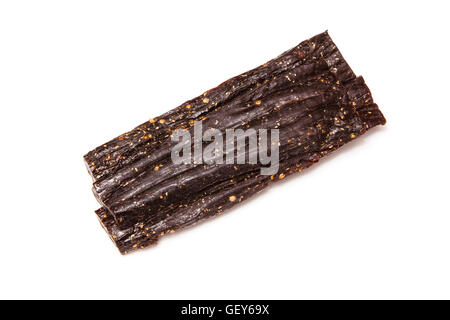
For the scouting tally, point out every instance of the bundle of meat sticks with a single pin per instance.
(298, 107)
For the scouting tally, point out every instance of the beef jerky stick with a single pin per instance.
(309, 93)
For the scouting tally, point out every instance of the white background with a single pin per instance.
(370, 221)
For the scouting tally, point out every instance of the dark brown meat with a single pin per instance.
(309, 93)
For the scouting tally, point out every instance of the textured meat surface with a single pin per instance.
(309, 93)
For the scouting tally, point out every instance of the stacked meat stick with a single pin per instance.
(309, 93)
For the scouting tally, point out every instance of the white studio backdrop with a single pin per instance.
(370, 221)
